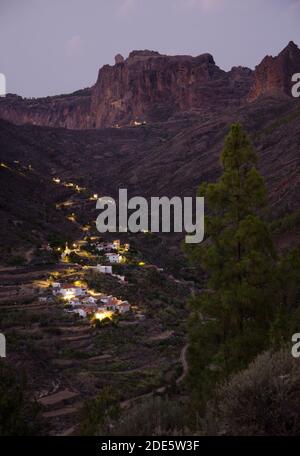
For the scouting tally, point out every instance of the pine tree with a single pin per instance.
(230, 320)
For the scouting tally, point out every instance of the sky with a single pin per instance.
(50, 47)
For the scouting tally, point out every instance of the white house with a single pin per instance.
(69, 291)
(123, 307)
(119, 277)
(80, 312)
(104, 269)
(114, 257)
(109, 302)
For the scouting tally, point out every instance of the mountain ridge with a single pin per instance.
(148, 87)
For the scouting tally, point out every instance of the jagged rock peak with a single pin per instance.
(119, 59)
(143, 53)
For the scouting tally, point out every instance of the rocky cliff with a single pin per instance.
(148, 86)
(273, 75)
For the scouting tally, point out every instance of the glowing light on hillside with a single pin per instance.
(141, 263)
(56, 180)
(86, 228)
(79, 283)
(69, 295)
(102, 315)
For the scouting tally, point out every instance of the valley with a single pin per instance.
(154, 125)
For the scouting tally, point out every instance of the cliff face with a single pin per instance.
(273, 75)
(69, 111)
(148, 86)
(145, 86)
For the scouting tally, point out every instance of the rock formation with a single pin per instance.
(273, 75)
(148, 86)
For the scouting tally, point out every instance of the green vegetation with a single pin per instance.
(156, 416)
(251, 299)
(18, 415)
(282, 121)
(97, 413)
(285, 223)
(261, 400)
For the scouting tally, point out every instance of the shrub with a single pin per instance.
(19, 416)
(156, 416)
(264, 399)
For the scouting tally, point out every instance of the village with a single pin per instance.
(87, 310)
(78, 298)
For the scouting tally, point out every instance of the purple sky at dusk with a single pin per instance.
(50, 47)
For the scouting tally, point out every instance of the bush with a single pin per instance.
(261, 400)
(156, 416)
(97, 413)
(18, 415)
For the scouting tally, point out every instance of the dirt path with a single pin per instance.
(184, 363)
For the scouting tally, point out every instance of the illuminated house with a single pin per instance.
(114, 257)
(109, 302)
(123, 307)
(104, 269)
(69, 291)
(81, 312)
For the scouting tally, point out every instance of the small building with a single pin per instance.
(69, 291)
(109, 302)
(81, 312)
(119, 277)
(104, 269)
(114, 257)
(123, 307)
